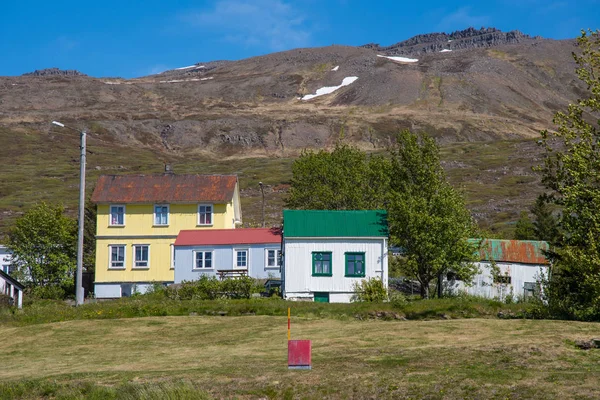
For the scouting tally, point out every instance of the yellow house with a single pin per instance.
(139, 218)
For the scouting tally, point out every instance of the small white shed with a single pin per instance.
(326, 252)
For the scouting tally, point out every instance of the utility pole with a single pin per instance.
(262, 190)
(79, 295)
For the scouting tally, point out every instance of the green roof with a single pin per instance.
(328, 223)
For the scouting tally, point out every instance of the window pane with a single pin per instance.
(326, 267)
(199, 256)
(208, 259)
(271, 258)
(241, 258)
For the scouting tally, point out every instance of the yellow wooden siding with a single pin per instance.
(139, 219)
(139, 228)
(159, 255)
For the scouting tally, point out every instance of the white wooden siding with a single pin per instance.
(299, 282)
(483, 283)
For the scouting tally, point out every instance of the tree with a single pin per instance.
(525, 229)
(345, 179)
(571, 171)
(427, 216)
(43, 244)
(545, 224)
(89, 237)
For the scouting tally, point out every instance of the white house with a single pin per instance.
(254, 252)
(11, 287)
(4, 259)
(507, 268)
(326, 252)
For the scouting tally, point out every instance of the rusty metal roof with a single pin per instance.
(164, 188)
(519, 251)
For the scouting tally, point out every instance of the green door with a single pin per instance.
(321, 297)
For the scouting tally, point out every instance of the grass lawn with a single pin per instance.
(245, 357)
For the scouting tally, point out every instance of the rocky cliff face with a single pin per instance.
(466, 39)
(54, 72)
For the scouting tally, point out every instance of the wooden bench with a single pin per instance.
(231, 273)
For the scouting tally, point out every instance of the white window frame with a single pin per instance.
(235, 253)
(134, 261)
(212, 214)
(168, 214)
(277, 259)
(110, 214)
(204, 267)
(110, 260)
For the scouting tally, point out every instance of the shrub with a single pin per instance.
(370, 290)
(6, 301)
(52, 292)
(210, 288)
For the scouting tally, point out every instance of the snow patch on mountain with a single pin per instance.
(330, 89)
(400, 59)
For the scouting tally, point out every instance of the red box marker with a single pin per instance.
(299, 353)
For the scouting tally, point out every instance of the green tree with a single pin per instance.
(571, 171)
(525, 229)
(345, 179)
(545, 224)
(43, 243)
(428, 218)
(89, 238)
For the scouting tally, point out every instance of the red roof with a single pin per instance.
(165, 188)
(214, 237)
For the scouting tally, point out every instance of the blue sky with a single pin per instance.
(130, 38)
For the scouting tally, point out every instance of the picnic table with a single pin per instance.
(231, 273)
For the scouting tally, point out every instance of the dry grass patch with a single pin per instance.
(246, 357)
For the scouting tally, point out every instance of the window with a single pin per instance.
(205, 214)
(241, 259)
(203, 259)
(502, 279)
(273, 258)
(117, 256)
(530, 289)
(355, 264)
(141, 256)
(321, 263)
(117, 215)
(161, 215)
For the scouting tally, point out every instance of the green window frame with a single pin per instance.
(355, 264)
(321, 263)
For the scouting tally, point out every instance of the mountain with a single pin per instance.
(477, 86)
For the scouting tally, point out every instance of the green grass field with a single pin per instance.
(185, 357)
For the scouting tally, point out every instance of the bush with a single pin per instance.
(6, 301)
(53, 292)
(370, 290)
(210, 288)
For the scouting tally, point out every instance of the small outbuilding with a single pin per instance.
(11, 287)
(326, 252)
(254, 252)
(506, 268)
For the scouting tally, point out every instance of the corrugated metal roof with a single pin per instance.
(213, 237)
(520, 251)
(328, 223)
(164, 188)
